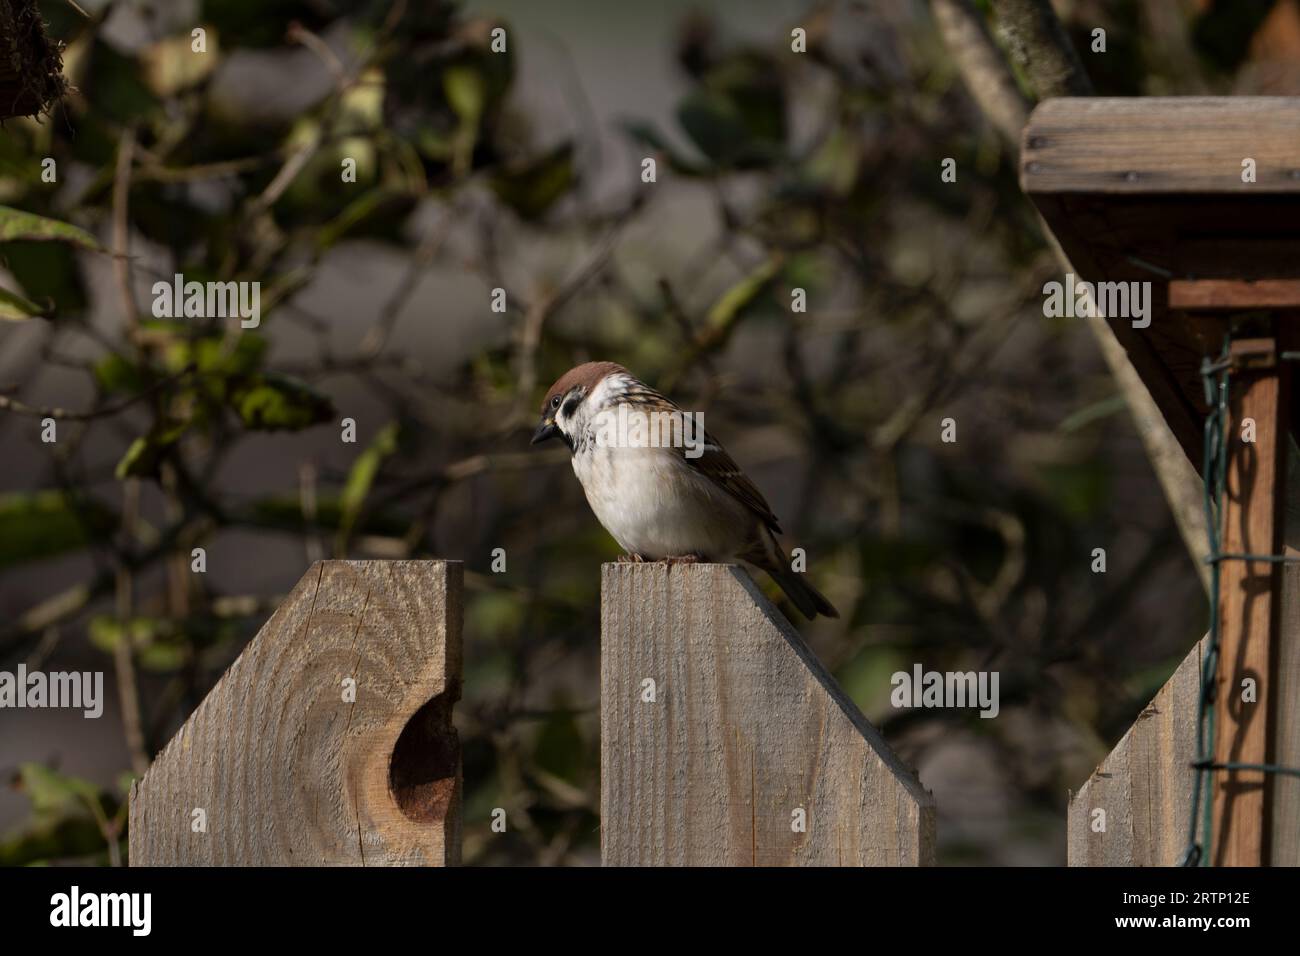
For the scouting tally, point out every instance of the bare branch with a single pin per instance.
(982, 67)
(63, 414)
(1038, 44)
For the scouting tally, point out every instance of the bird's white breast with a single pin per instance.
(654, 503)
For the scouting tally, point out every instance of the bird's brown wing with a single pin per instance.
(716, 465)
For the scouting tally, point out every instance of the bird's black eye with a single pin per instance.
(555, 402)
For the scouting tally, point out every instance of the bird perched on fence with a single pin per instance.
(676, 496)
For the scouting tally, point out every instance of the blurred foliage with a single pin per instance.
(816, 172)
(70, 820)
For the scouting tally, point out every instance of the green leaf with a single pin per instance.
(171, 65)
(1085, 416)
(138, 460)
(646, 135)
(67, 820)
(751, 82)
(834, 166)
(714, 125)
(107, 631)
(378, 210)
(15, 308)
(466, 91)
(16, 224)
(211, 355)
(271, 402)
(51, 791)
(145, 453)
(116, 374)
(164, 657)
(41, 525)
(732, 304)
(362, 475)
(532, 188)
(158, 644)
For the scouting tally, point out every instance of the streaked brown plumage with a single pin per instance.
(659, 502)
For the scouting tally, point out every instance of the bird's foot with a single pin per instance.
(683, 559)
(630, 559)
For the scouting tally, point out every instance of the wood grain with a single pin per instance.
(1230, 295)
(1249, 609)
(1145, 784)
(1284, 845)
(1192, 144)
(746, 728)
(286, 770)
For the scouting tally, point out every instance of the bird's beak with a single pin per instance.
(547, 429)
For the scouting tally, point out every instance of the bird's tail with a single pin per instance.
(802, 595)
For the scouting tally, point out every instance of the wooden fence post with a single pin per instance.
(1249, 600)
(1135, 808)
(725, 742)
(329, 740)
(1145, 784)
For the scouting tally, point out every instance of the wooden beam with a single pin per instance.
(1249, 609)
(1233, 295)
(742, 750)
(1284, 848)
(329, 740)
(1157, 144)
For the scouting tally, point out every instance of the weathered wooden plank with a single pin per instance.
(1144, 786)
(745, 729)
(1249, 611)
(1155, 144)
(1229, 295)
(1285, 842)
(286, 769)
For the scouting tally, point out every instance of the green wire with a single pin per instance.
(1215, 376)
(1214, 470)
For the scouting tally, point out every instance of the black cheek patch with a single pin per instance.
(571, 406)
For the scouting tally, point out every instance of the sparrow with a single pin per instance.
(675, 501)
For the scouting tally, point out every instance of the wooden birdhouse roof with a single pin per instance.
(1198, 195)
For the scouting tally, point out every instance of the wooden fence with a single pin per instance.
(1197, 201)
(723, 739)
(1144, 786)
(725, 742)
(329, 741)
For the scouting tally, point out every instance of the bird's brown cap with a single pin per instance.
(588, 374)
